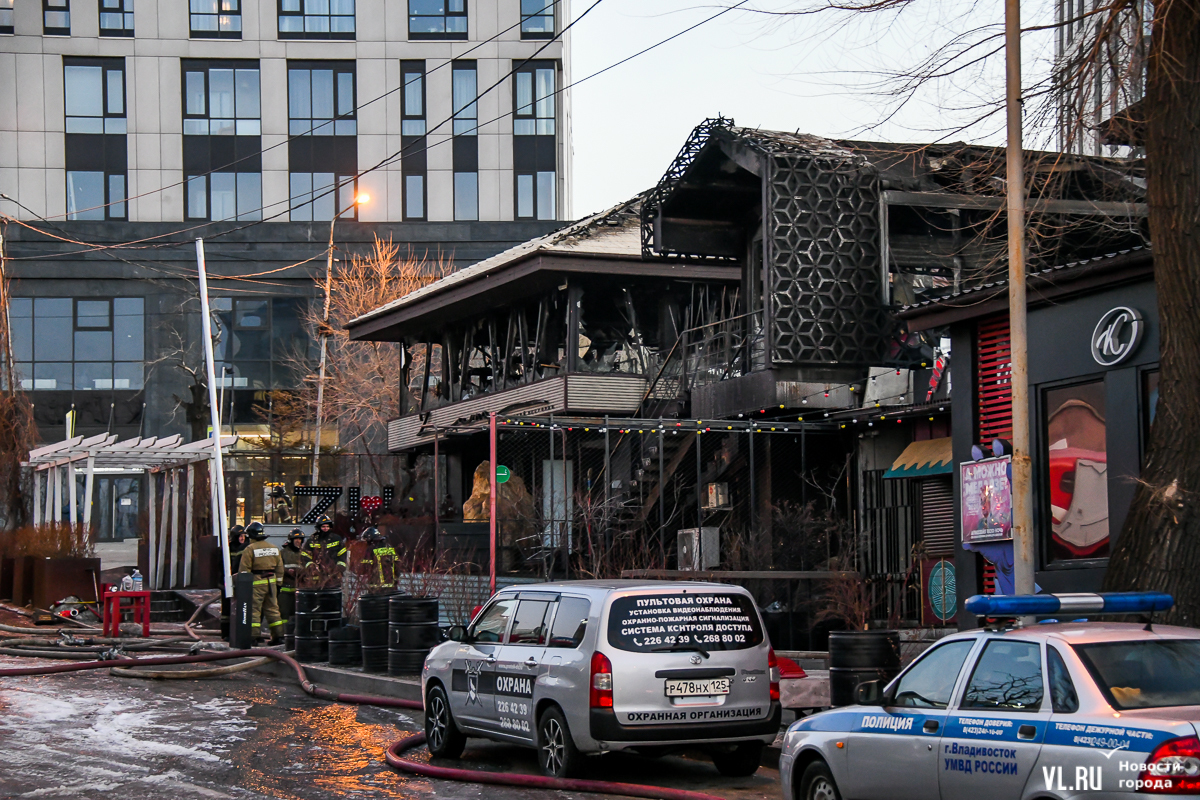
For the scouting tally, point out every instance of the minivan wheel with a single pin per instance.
(739, 762)
(444, 738)
(817, 783)
(557, 754)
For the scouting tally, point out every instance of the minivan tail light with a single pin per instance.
(602, 682)
(773, 672)
(1173, 768)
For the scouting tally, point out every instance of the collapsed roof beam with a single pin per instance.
(1069, 207)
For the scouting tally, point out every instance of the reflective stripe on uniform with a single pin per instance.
(273, 624)
(263, 582)
(287, 588)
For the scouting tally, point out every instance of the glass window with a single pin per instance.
(85, 195)
(492, 625)
(1007, 677)
(1145, 674)
(570, 622)
(221, 99)
(56, 17)
(225, 196)
(466, 195)
(116, 17)
(314, 93)
(533, 99)
(216, 19)
(413, 121)
(524, 197)
(82, 344)
(930, 682)
(537, 19)
(313, 196)
(6, 16)
(1149, 404)
(414, 197)
(529, 623)
(1063, 698)
(316, 19)
(546, 208)
(94, 97)
(536, 196)
(646, 623)
(466, 110)
(1077, 471)
(437, 19)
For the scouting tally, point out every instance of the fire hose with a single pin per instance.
(392, 753)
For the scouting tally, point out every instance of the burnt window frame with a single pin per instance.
(124, 9)
(219, 33)
(300, 12)
(50, 30)
(445, 16)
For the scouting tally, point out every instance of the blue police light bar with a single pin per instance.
(993, 605)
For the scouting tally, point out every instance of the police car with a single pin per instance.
(1051, 710)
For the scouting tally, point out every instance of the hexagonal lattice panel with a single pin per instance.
(823, 260)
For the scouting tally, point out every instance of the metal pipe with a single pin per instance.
(492, 502)
(220, 513)
(1022, 486)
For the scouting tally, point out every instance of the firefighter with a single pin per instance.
(325, 552)
(293, 562)
(380, 562)
(264, 560)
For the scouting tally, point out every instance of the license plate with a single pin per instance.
(697, 688)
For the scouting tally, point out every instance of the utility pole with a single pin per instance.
(1022, 467)
(316, 469)
(218, 469)
(10, 371)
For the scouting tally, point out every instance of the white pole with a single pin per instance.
(173, 553)
(152, 479)
(73, 511)
(187, 525)
(219, 515)
(316, 469)
(88, 483)
(57, 494)
(37, 498)
(159, 571)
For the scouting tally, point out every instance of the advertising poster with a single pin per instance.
(986, 500)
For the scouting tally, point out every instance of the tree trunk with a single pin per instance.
(1159, 548)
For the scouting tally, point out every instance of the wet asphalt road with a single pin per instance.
(87, 735)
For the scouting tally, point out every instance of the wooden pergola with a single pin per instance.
(169, 457)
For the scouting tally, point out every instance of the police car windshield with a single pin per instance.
(684, 621)
(1145, 674)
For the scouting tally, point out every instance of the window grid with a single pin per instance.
(413, 112)
(313, 197)
(224, 195)
(415, 200)
(537, 19)
(56, 17)
(535, 196)
(259, 340)
(533, 100)
(6, 16)
(221, 100)
(316, 19)
(94, 98)
(321, 101)
(216, 19)
(437, 19)
(85, 344)
(116, 17)
(466, 109)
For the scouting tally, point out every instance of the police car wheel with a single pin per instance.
(444, 738)
(817, 783)
(739, 762)
(557, 754)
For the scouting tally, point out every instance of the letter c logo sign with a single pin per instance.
(1117, 335)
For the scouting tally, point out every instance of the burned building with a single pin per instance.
(718, 350)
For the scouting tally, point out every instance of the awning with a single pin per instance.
(930, 457)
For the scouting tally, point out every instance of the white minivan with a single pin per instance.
(577, 668)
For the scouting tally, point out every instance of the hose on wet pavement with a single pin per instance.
(392, 754)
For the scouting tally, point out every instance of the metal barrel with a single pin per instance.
(412, 632)
(859, 656)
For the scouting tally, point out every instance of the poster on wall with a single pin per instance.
(986, 500)
(939, 592)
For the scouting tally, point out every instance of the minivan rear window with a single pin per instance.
(684, 621)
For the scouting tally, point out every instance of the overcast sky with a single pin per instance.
(813, 73)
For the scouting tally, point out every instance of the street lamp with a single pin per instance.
(359, 199)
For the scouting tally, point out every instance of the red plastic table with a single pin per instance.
(113, 607)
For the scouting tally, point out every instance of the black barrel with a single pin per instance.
(403, 608)
(310, 649)
(289, 642)
(317, 623)
(345, 648)
(319, 600)
(375, 606)
(859, 656)
(373, 632)
(412, 633)
(374, 659)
